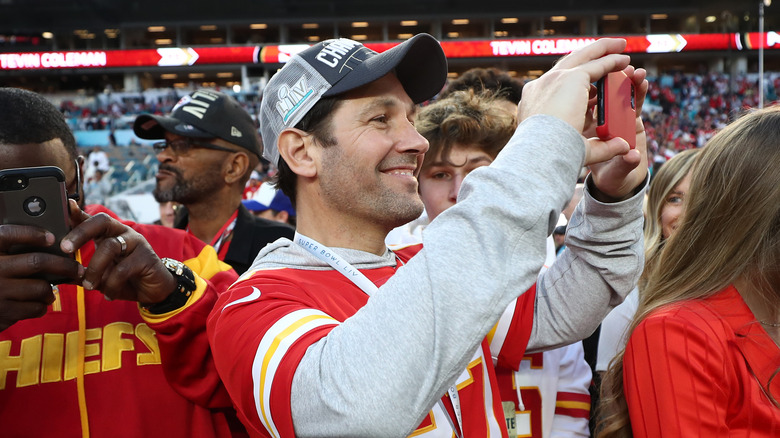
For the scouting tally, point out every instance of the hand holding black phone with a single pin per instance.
(35, 196)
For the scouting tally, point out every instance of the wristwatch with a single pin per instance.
(185, 286)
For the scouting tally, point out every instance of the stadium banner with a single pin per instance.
(655, 43)
(279, 54)
(162, 57)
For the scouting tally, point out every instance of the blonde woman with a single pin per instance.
(702, 358)
(663, 209)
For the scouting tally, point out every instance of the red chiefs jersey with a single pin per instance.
(262, 337)
(118, 358)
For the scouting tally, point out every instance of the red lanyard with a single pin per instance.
(224, 236)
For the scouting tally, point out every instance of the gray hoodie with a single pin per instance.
(400, 352)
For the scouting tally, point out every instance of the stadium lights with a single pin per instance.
(47, 35)
(558, 18)
(409, 23)
(155, 29)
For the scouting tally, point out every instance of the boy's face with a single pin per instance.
(440, 181)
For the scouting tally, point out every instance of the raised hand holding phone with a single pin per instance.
(33, 219)
(617, 178)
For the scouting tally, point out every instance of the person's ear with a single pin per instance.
(282, 216)
(298, 150)
(236, 167)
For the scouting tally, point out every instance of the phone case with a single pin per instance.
(35, 196)
(616, 108)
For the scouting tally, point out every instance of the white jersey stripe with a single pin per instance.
(501, 330)
(272, 349)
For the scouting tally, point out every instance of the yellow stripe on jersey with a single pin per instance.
(272, 349)
(572, 405)
(491, 333)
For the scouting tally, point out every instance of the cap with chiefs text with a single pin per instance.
(336, 66)
(204, 114)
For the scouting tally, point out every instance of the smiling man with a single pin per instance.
(209, 148)
(332, 333)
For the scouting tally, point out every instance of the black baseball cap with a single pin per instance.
(336, 66)
(204, 114)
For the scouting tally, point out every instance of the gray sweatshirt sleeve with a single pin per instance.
(379, 372)
(600, 265)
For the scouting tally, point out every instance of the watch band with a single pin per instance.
(185, 286)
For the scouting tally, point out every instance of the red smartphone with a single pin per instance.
(616, 108)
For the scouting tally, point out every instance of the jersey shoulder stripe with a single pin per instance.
(272, 349)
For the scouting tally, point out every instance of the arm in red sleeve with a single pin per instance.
(181, 334)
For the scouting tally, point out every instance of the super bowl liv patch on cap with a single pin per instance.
(204, 114)
(333, 67)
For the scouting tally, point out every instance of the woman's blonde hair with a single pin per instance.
(663, 182)
(730, 230)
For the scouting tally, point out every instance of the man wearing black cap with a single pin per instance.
(333, 334)
(210, 148)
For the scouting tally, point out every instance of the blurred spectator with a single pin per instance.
(167, 214)
(271, 204)
(96, 160)
(252, 185)
(97, 189)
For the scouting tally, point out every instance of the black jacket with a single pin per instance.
(250, 235)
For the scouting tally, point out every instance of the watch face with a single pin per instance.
(185, 279)
(174, 266)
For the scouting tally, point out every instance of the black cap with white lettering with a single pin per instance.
(204, 114)
(336, 66)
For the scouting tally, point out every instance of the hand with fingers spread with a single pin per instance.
(25, 291)
(124, 265)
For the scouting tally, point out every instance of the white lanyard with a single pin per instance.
(327, 255)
